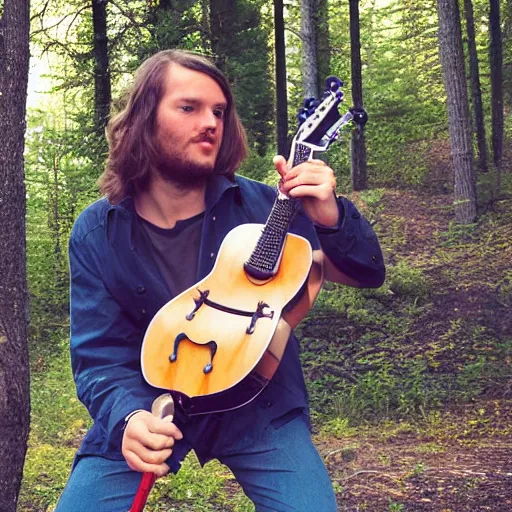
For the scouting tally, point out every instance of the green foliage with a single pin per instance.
(407, 281)
(241, 47)
(57, 415)
(385, 393)
(58, 421)
(60, 182)
(338, 427)
(391, 352)
(44, 476)
(504, 290)
(457, 233)
(260, 168)
(430, 448)
(176, 26)
(403, 90)
(395, 507)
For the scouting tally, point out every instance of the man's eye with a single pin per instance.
(187, 108)
(218, 113)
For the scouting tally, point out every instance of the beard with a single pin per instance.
(183, 172)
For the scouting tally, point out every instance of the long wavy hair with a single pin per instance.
(133, 148)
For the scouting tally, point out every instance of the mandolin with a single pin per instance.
(217, 345)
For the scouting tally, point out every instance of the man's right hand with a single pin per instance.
(148, 442)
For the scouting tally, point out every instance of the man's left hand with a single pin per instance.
(314, 183)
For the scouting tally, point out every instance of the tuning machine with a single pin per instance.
(310, 104)
(359, 116)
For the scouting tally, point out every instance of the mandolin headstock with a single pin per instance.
(320, 121)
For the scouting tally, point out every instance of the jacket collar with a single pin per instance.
(216, 187)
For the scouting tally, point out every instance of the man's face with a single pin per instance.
(189, 126)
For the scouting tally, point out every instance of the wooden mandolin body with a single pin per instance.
(242, 363)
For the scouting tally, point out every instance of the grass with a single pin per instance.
(57, 423)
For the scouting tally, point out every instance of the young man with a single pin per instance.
(171, 198)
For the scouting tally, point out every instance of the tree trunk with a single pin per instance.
(459, 121)
(323, 44)
(102, 87)
(222, 14)
(281, 94)
(205, 24)
(14, 367)
(476, 90)
(358, 147)
(309, 48)
(496, 62)
(507, 64)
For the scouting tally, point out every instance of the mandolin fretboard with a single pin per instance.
(264, 261)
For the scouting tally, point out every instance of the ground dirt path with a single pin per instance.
(458, 460)
(409, 474)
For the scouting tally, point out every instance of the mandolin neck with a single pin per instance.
(264, 262)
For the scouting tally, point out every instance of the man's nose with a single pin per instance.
(209, 121)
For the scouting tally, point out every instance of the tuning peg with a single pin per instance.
(302, 115)
(313, 106)
(308, 102)
(333, 83)
(360, 116)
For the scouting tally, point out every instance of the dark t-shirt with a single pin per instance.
(176, 251)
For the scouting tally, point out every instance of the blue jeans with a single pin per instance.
(280, 472)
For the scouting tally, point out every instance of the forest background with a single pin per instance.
(422, 363)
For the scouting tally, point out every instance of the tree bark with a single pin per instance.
(14, 366)
(323, 44)
(459, 121)
(281, 93)
(476, 90)
(309, 48)
(507, 64)
(358, 147)
(496, 62)
(102, 84)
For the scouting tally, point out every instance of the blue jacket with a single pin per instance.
(116, 288)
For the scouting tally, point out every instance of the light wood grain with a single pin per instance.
(238, 353)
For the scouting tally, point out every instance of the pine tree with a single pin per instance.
(476, 90)
(102, 86)
(280, 71)
(496, 63)
(358, 148)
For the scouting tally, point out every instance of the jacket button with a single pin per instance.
(375, 259)
(212, 255)
(214, 218)
(141, 289)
